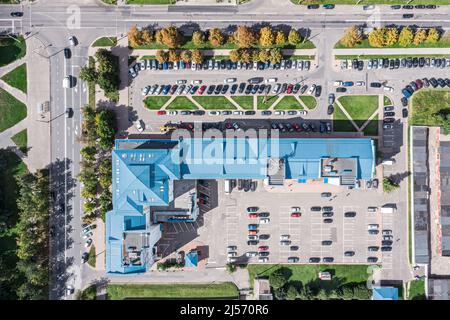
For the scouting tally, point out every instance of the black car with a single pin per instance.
(389, 114)
(330, 109)
(349, 253)
(314, 260)
(441, 82)
(421, 62)
(198, 112)
(405, 113)
(318, 91)
(67, 53)
(341, 89)
(264, 237)
(447, 82)
(252, 243)
(255, 88)
(263, 254)
(224, 89)
(233, 89)
(248, 89)
(328, 220)
(350, 214)
(249, 113)
(408, 6)
(255, 80)
(16, 14)
(386, 242)
(375, 85)
(296, 88)
(403, 63)
(293, 248)
(218, 89)
(385, 63)
(433, 82)
(397, 63)
(283, 88)
(386, 248)
(261, 88)
(223, 65)
(407, 15)
(303, 89)
(388, 120)
(327, 214)
(372, 259)
(409, 63)
(396, 7)
(313, 6)
(420, 6)
(211, 89)
(355, 64)
(404, 101)
(241, 87)
(327, 209)
(327, 242)
(84, 257)
(415, 62)
(391, 64)
(328, 259)
(360, 65)
(430, 6)
(316, 208)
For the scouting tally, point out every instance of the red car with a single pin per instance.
(289, 88)
(201, 90)
(253, 215)
(161, 113)
(263, 248)
(296, 214)
(252, 232)
(296, 127)
(419, 83)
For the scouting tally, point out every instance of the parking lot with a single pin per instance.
(226, 224)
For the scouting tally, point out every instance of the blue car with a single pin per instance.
(166, 89)
(347, 83)
(252, 227)
(407, 93)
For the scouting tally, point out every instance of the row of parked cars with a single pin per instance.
(410, 62)
(87, 233)
(420, 83)
(152, 64)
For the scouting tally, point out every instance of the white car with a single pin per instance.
(239, 65)
(153, 89)
(295, 209)
(139, 125)
(372, 209)
(359, 83)
(179, 90)
(214, 113)
(231, 259)
(142, 65)
(255, 65)
(231, 248)
(252, 237)
(372, 226)
(69, 290)
(276, 88)
(88, 242)
(264, 220)
(172, 113)
(388, 89)
(159, 89)
(145, 90)
(188, 88)
(263, 259)
(72, 41)
(279, 113)
(285, 237)
(181, 81)
(88, 235)
(238, 113)
(194, 82)
(67, 82)
(231, 254)
(311, 89)
(302, 112)
(349, 64)
(337, 83)
(251, 254)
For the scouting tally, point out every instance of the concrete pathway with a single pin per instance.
(19, 95)
(378, 111)
(9, 67)
(340, 106)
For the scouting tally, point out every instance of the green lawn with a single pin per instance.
(260, 105)
(175, 291)
(309, 101)
(181, 103)
(92, 257)
(214, 103)
(288, 103)
(90, 293)
(387, 101)
(17, 78)
(105, 42)
(110, 1)
(21, 139)
(360, 108)
(372, 128)
(155, 102)
(246, 102)
(341, 122)
(426, 104)
(11, 110)
(341, 274)
(443, 43)
(11, 50)
(417, 290)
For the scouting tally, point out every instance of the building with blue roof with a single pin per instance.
(147, 174)
(385, 293)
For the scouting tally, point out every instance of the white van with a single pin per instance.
(271, 80)
(227, 186)
(230, 80)
(388, 208)
(373, 226)
(388, 162)
(337, 83)
(196, 81)
(66, 82)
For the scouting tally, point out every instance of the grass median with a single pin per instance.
(105, 42)
(340, 121)
(214, 103)
(309, 101)
(181, 103)
(155, 102)
(430, 107)
(12, 110)
(360, 108)
(288, 103)
(17, 78)
(264, 102)
(21, 140)
(225, 290)
(246, 102)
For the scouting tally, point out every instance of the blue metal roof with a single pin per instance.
(191, 259)
(385, 293)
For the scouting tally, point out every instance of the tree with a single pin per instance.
(216, 37)
(277, 279)
(346, 292)
(406, 37)
(198, 38)
(305, 293)
(235, 55)
(280, 293)
(389, 185)
(171, 37)
(105, 202)
(294, 37)
(433, 35)
(352, 36)
(420, 36)
(162, 56)
(88, 153)
(321, 294)
(361, 292)
(197, 56)
(158, 37)
(89, 207)
(134, 37)
(146, 36)
(280, 38)
(391, 37)
(275, 56)
(264, 55)
(255, 55)
(291, 293)
(266, 37)
(173, 56)
(108, 71)
(376, 37)
(244, 37)
(246, 56)
(186, 56)
(105, 121)
(88, 74)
